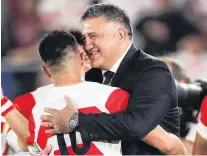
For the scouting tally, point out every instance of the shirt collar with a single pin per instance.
(115, 67)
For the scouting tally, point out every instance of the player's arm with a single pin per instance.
(17, 122)
(167, 143)
(158, 138)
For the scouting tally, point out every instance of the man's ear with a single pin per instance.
(45, 70)
(122, 34)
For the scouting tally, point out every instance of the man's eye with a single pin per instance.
(92, 37)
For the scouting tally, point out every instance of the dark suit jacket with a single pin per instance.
(153, 101)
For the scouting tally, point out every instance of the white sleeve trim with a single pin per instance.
(202, 130)
(6, 106)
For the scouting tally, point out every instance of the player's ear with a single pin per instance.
(82, 58)
(45, 70)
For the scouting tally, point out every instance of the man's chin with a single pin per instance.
(95, 65)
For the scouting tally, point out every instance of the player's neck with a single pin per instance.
(66, 79)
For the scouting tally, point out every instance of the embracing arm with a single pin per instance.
(149, 101)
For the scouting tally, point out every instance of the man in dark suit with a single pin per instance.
(108, 37)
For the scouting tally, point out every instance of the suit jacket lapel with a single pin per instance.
(124, 66)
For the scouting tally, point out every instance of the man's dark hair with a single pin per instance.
(111, 13)
(55, 45)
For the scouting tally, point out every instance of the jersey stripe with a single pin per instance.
(7, 110)
(32, 126)
(6, 106)
(42, 136)
(121, 101)
(6, 150)
(4, 100)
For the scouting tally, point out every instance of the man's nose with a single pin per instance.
(88, 45)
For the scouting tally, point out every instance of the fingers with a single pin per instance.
(69, 104)
(67, 101)
(46, 150)
(47, 117)
(51, 131)
(51, 111)
(47, 124)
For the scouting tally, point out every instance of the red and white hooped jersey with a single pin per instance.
(88, 97)
(24, 103)
(202, 125)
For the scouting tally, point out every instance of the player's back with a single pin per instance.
(88, 97)
(25, 102)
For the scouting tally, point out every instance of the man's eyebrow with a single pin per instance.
(92, 33)
(89, 34)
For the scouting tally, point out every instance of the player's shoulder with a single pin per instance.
(101, 89)
(95, 85)
(41, 91)
(34, 95)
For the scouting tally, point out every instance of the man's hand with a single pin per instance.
(58, 120)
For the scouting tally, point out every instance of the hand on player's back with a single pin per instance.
(58, 119)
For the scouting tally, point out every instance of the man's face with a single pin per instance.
(86, 61)
(100, 42)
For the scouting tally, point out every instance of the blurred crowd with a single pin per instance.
(175, 30)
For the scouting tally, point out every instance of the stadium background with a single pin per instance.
(174, 28)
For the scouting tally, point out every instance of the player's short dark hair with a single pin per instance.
(111, 13)
(55, 45)
(78, 36)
